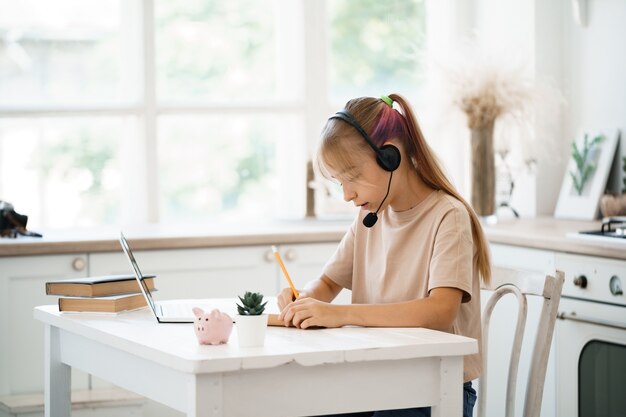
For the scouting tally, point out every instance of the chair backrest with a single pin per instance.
(522, 283)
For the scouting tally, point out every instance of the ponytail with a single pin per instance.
(429, 169)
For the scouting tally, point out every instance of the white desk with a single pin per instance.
(351, 369)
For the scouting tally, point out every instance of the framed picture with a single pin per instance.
(586, 175)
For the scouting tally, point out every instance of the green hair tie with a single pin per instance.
(387, 100)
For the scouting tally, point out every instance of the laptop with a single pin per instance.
(174, 311)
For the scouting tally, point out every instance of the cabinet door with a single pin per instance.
(529, 259)
(197, 273)
(305, 262)
(22, 287)
(502, 331)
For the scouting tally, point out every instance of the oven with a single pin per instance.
(590, 338)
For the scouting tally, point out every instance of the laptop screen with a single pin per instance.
(133, 263)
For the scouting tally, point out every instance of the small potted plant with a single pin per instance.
(251, 322)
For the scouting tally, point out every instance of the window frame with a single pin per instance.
(313, 107)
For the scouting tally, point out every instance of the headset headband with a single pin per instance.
(347, 117)
(387, 156)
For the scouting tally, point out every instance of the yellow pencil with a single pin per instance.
(285, 273)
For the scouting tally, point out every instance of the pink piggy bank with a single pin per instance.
(212, 328)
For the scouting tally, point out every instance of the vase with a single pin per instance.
(251, 330)
(483, 190)
(613, 205)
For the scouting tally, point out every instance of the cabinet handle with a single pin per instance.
(268, 256)
(580, 281)
(291, 255)
(79, 264)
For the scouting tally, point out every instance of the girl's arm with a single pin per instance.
(437, 311)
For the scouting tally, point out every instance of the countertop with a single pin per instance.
(556, 235)
(540, 233)
(154, 237)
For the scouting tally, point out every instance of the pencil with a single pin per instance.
(285, 273)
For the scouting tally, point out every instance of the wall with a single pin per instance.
(594, 70)
(504, 34)
(586, 63)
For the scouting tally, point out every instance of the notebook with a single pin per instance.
(174, 311)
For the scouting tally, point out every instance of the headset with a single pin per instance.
(387, 157)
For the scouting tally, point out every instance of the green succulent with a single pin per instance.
(252, 304)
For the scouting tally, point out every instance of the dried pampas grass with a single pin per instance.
(497, 87)
(486, 86)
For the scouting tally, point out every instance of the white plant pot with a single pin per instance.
(251, 330)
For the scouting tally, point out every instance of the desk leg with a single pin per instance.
(451, 388)
(57, 377)
(204, 396)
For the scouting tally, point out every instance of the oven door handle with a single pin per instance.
(582, 319)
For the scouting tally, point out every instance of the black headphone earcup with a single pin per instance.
(388, 157)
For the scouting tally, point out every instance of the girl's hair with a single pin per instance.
(342, 147)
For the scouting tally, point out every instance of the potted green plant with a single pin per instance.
(250, 321)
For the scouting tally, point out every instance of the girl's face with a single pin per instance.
(364, 184)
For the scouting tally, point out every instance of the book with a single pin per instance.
(272, 320)
(108, 304)
(97, 286)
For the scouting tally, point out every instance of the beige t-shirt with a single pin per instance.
(408, 253)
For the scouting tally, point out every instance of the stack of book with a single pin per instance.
(104, 294)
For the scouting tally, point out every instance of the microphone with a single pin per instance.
(372, 217)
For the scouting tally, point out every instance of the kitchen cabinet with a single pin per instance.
(22, 288)
(503, 327)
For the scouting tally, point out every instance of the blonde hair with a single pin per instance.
(342, 147)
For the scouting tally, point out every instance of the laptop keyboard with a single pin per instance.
(183, 309)
(176, 310)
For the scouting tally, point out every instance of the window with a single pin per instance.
(66, 171)
(144, 111)
(68, 81)
(217, 52)
(375, 46)
(229, 176)
(67, 53)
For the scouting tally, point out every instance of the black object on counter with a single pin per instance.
(13, 223)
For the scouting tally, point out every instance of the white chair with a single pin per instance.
(522, 283)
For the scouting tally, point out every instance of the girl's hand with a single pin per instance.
(285, 297)
(306, 312)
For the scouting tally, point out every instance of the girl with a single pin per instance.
(420, 264)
